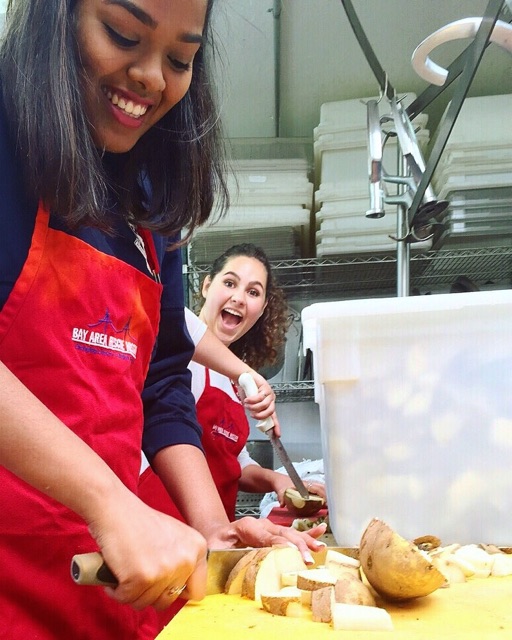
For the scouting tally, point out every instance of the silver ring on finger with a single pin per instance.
(175, 591)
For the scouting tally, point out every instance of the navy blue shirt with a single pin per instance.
(169, 406)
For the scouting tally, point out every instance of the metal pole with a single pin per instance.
(403, 247)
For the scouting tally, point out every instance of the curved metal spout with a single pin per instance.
(414, 158)
(376, 209)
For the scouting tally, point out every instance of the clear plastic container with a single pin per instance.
(416, 413)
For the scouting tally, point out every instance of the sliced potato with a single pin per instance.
(351, 590)
(490, 548)
(289, 578)
(235, 579)
(395, 567)
(466, 567)
(339, 564)
(501, 564)
(450, 570)
(427, 543)
(299, 506)
(263, 575)
(312, 579)
(321, 604)
(356, 617)
(286, 602)
(480, 560)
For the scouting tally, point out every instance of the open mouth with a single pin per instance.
(231, 318)
(129, 107)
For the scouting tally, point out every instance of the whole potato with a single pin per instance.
(396, 568)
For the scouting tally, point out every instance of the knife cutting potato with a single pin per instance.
(90, 569)
(298, 501)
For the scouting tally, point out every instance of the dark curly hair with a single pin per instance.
(261, 345)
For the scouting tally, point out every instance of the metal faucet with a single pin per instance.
(376, 209)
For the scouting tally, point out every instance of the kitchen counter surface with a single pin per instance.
(480, 609)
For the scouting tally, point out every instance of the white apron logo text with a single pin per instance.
(105, 336)
(225, 432)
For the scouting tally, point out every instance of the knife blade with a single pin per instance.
(246, 381)
(220, 564)
(288, 464)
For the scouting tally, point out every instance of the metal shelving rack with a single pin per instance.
(247, 510)
(374, 276)
(301, 391)
(359, 276)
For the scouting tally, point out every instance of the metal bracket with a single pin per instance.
(465, 66)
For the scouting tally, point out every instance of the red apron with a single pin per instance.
(78, 330)
(225, 433)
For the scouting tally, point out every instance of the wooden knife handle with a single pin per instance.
(91, 569)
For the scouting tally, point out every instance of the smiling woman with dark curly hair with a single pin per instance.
(260, 344)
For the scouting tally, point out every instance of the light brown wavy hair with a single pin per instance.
(262, 344)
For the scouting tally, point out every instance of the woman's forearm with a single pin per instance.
(213, 354)
(37, 447)
(144, 548)
(256, 479)
(186, 476)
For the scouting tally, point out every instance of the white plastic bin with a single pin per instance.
(350, 115)
(342, 194)
(338, 160)
(482, 121)
(349, 217)
(416, 413)
(260, 216)
(269, 181)
(261, 190)
(276, 216)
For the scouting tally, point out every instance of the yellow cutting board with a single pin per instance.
(480, 609)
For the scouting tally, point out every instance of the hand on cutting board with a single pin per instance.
(151, 554)
(260, 532)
